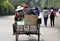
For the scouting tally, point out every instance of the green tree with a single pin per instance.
(5, 6)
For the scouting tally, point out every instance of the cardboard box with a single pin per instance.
(30, 19)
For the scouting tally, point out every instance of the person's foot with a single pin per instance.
(45, 25)
(53, 25)
(13, 33)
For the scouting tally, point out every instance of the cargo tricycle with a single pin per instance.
(29, 25)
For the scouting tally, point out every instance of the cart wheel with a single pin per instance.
(38, 32)
(38, 37)
(16, 36)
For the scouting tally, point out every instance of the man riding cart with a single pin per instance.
(26, 21)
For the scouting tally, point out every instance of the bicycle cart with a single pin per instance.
(30, 27)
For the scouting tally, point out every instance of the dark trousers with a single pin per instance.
(52, 18)
(14, 27)
(45, 21)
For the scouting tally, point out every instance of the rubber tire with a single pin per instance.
(16, 36)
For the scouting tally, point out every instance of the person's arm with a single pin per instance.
(38, 12)
(55, 13)
(15, 18)
(48, 12)
(42, 12)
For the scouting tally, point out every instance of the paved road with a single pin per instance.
(47, 33)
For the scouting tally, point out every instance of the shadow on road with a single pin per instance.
(30, 39)
(41, 40)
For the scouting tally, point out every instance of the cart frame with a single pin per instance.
(29, 33)
(17, 33)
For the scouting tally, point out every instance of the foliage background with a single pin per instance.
(8, 7)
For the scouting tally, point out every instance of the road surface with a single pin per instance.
(47, 33)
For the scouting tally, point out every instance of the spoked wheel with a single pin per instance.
(17, 36)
